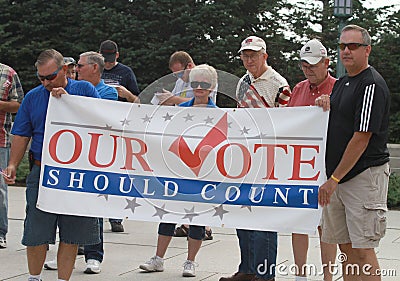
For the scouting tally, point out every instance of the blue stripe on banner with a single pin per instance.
(88, 181)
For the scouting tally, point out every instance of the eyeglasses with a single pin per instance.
(351, 46)
(79, 65)
(179, 74)
(251, 57)
(203, 85)
(49, 77)
(310, 67)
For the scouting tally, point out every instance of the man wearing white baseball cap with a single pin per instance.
(260, 87)
(314, 63)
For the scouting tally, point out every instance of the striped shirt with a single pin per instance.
(10, 90)
(268, 90)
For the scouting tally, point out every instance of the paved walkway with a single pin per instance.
(125, 251)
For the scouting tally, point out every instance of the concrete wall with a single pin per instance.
(394, 150)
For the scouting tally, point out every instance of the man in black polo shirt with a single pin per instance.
(357, 157)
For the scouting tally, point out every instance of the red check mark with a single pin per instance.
(213, 138)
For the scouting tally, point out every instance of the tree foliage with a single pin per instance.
(147, 32)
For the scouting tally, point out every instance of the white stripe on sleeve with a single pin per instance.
(367, 107)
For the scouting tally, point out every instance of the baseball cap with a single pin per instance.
(69, 60)
(253, 43)
(313, 51)
(109, 50)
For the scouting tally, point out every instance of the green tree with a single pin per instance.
(147, 32)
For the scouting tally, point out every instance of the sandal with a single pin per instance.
(181, 231)
(208, 235)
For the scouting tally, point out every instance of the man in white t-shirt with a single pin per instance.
(180, 63)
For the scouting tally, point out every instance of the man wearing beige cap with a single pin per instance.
(314, 62)
(260, 87)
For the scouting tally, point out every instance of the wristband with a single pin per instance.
(335, 179)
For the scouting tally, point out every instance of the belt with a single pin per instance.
(37, 162)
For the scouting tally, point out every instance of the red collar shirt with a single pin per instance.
(304, 94)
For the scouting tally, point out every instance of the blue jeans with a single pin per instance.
(96, 251)
(115, 220)
(40, 227)
(4, 156)
(258, 250)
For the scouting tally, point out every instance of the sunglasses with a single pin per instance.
(49, 77)
(179, 74)
(351, 46)
(203, 85)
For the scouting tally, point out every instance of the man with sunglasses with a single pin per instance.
(180, 63)
(260, 87)
(11, 97)
(355, 194)
(39, 226)
(314, 62)
(89, 68)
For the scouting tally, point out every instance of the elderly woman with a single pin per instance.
(203, 80)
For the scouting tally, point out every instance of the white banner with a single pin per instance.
(237, 168)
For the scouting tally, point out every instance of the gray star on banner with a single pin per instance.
(209, 120)
(125, 122)
(188, 117)
(219, 211)
(146, 119)
(229, 124)
(108, 127)
(160, 211)
(167, 117)
(244, 131)
(105, 196)
(248, 207)
(132, 204)
(190, 214)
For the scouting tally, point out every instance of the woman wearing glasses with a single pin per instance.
(203, 80)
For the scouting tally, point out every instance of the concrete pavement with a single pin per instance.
(218, 257)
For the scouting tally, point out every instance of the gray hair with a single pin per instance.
(206, 71)
(364, 33)
(95, 58)
(50, 54)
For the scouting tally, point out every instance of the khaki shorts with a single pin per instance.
(357, 211)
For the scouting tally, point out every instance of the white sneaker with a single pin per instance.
(188, 269)
(51, 265)
(92, 267)
(3, 242)
(155, 264)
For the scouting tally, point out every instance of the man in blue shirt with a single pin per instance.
(90, 67)
(39, 226)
